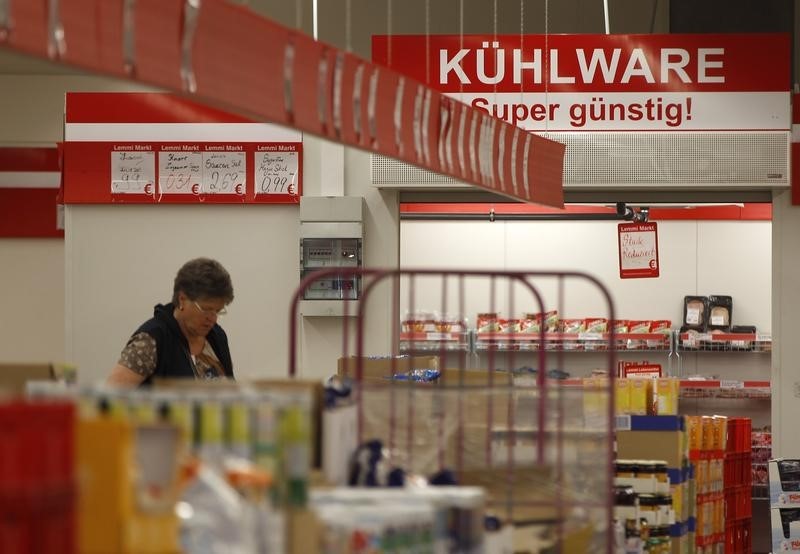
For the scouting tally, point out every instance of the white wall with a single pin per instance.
(32, 270)
(696, 258)
(121, 261)
(32, 297)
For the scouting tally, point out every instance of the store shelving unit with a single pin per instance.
(727, 389)
(435, 341)
(574, 342)
(674, 344)
(760, 343)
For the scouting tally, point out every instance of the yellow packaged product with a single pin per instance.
(719, 432)
(667, 396)
(641, 392)
(708, 432)
(694, 432)
(622, 396)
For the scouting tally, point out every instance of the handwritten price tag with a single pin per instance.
(276, 172)
(133, 172)
(638, 250)
(223, 173)
(178, 172)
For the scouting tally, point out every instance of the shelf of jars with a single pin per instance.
(435, 341)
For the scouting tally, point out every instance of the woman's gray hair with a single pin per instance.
(203, 278)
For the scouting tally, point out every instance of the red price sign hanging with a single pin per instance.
(638, 250)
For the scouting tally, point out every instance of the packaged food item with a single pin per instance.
(662, 327)
(695, 312)
(719, 435)
(596, 325)
(637, 327)
(530, 323)
(450, 324)
(667, 396)
(620, 326)
(622, 396)
(694, 432)
(488, 323)
(720, 312)
(571, 326)
(419, 322)
(707, 423)
(743, 344)
(508, 325)
(641, 391)
(689, 338)
(551, 321)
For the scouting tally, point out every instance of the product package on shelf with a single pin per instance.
(785, 526)
(720, 313)
(761, 445)
(695, 313)
(784, 483)
(646, 395)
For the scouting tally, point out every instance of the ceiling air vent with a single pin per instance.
(658, 159)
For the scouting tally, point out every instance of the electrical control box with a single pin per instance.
(331, 236)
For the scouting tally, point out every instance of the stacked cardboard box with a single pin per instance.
(664, 438)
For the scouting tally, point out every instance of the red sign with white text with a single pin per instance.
(607, 82)
(158, 148)
(638, 250)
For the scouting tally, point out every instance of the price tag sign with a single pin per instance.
(276, 172)
(638, 250)
(223, 173)
(133, 172)
(179, 172)
(729, 384)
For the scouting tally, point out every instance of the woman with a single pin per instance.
(182, 340)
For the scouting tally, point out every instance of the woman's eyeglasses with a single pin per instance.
(209, 313)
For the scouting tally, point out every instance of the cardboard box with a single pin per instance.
(652, 445)
(304, 532)
(382, 368)
(14, 376)
(784, 483)
(785, 524)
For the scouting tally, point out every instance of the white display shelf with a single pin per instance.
(724, 342)
(434, 342)
(753, 390)
(574, 342)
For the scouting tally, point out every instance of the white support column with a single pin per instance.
(785, 326)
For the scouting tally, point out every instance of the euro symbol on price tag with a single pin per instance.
(148, 188)
(196, 188)
(238, 188)
(653, 264)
